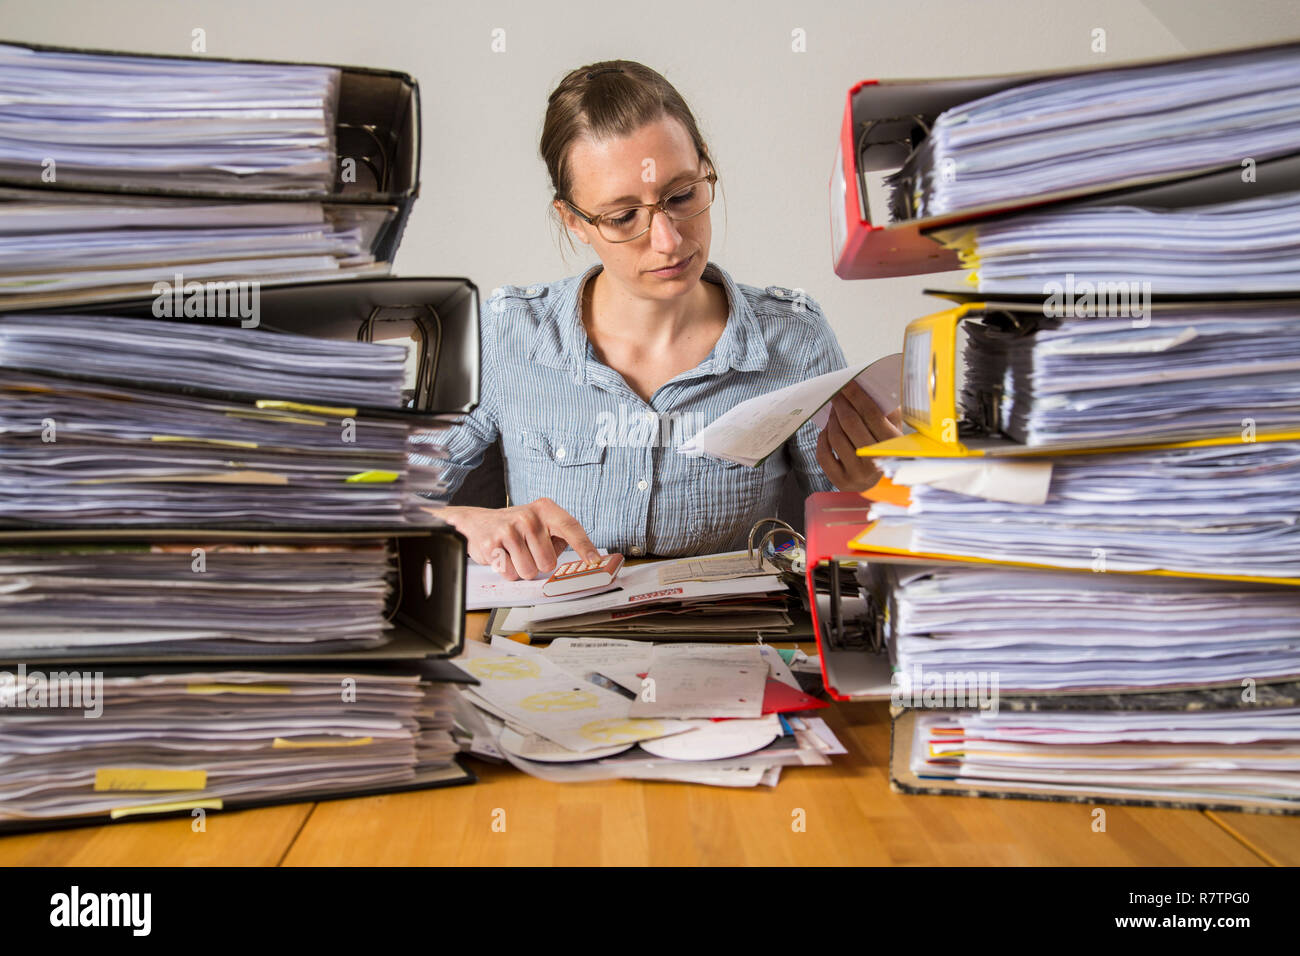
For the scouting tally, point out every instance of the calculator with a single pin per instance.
(574, 576)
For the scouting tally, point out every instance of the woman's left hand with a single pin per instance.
(856, 421)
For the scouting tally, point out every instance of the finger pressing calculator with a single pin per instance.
(574, 576)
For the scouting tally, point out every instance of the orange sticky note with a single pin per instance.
(886, 492)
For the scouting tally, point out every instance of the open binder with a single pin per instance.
(885, 120)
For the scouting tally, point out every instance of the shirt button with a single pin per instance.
(635, 550)
(533, 290)
(642, 485)
(559, 453)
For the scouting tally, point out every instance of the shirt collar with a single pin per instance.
(561, 340)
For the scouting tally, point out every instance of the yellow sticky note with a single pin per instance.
(300, 407)
(165, 808)
(288, 419)
(244, 477)
(282, 743)
(204, 441)
(149, 778)
(237, 688)
(373, 477)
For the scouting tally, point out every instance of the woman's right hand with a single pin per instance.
(520, 541)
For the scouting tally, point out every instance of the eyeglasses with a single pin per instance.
(632, 222)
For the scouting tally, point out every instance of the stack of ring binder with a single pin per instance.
(222, 580)
(1077, 579)
(890, 127)
(126, 171)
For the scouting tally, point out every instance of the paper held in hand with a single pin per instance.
(754, 429)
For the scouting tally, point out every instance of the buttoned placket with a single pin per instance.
(734, 349)
(637, 508)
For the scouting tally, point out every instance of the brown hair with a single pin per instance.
(604, 100)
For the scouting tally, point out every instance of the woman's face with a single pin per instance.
(641, 168)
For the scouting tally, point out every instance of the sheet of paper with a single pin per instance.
(882, 380)
(777, 667)
(485, 589)
(1020, 482)
(549, 701)
(621, 661)
(635, 592)
(703, 680)
(714, 567)
(754, 429)
(827, 740)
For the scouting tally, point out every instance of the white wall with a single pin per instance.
(771, 115)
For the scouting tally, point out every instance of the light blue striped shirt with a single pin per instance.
(573, 431)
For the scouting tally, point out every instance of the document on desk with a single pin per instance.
(715, 567)
(621, 661)
(548, 700)
(485, 588)
(640, 586)
(703, 680)
(754, 429)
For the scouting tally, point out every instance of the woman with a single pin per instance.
(592, 381)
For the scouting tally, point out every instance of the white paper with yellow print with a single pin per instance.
(554, 704)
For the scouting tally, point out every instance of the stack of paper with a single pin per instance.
(1246, 246)
(200, 597)
(185, 739)
(1248, 758)
(79, 448)
(55, 250)
(116, 121)
(1182, 372)
(120, 173)
(1104, 129)
(221, 358)
(1215, 510)
(588, 709)
(1055, 630)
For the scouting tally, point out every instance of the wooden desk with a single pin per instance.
(851, 816)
